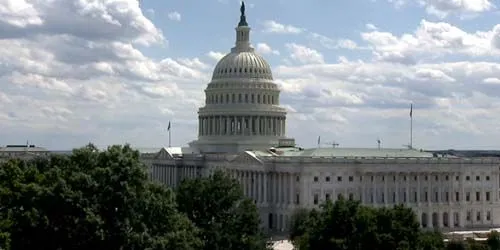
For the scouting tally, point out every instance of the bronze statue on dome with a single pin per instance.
(243, 19)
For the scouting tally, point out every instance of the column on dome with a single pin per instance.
(199, 126)
(221, 125)
(284, 126)
(266, 125)
(257, 123)
(249, 125)
(204, 125)
(275, 125)
(279, 126)
(242, 125)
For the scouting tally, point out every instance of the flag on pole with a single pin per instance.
(319, 140)
(168, 128)
(411, 110)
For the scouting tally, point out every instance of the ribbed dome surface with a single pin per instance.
(246, 64)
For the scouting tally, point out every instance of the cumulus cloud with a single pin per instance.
(445, 8)
(72, 69)
(265, 49)
(75, 71)
(174, 16)
(271, 26)
(303, 54)
(433, 39)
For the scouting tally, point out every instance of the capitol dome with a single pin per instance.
(242, 64)
(242, 102)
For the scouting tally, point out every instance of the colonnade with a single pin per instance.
(241, 125)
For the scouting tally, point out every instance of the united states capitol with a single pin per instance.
(242, 129)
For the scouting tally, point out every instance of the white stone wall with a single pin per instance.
(445, 196)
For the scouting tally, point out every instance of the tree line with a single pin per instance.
(93, 199)
(348, 225)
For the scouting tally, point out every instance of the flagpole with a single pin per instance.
(169, 135)
(411, 126)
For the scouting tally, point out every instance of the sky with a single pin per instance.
(118, 71)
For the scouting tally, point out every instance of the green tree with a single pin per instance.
(456, 245)
(218, 207)
(494, 240)
(90, 200)
(431, 240)
(347, 225)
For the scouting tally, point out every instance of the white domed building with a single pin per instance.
(242, 109)
(242, 129)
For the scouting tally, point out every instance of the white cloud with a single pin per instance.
(432, 39)
(331, 43)
(265, 49)
(371, 26)
(73, 73)
(174, 16)
(215, 55)
(271, 26)
(303, 54)
(444, 8)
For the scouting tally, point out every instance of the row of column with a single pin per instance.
(171, 175)
(442, 191)
(430, 218)
(267, 187)
(241, 125)
(247, 98)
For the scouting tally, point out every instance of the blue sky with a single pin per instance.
(116, 71)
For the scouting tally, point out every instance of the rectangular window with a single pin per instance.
(327, 179)
(478, 216)
(297, 198)
(467, 196)
(415, 196)
(478, 178)
(339, 178)
(404, 197)
(316, 199)
(447, 196)
(436, 197)
(351, 178)
(351, 197)
(315, 179)
(327, 197)
(426, 198)
(467, 178)
(383, 198)
(478, 196)
(487, 196)
(394, 197)
(468, 216)
(487, 178)
(457, 196)
(488, 215)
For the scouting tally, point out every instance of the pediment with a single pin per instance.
(163, 154)
(247, 158)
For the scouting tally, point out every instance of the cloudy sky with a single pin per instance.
(117, 71)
